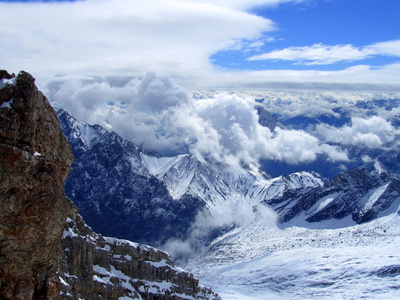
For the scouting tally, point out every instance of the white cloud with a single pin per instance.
(374, 132)
(93, 37)
(320, 54)
(158, 114)
(391, 48)
(296, 147)
(245, 4)
(175, 37)
(317, 54)
(236, 212)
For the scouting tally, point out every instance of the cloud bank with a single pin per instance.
(158, 114)
(373, 133)
(320, 54)
(56, 40)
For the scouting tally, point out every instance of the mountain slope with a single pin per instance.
(260, 262)
(47, 252)
(359, 196)
(116, 194)
(156, 198)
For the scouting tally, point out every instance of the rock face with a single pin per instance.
(97, 267)
(46, 249)
(35, 161)
(266, 119)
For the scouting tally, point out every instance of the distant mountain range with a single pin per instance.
(250, 233)
(127, 192)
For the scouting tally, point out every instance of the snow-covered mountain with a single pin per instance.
(260, 237)
(156, 198)
(124, 192)
(356, 196)
(116, 193)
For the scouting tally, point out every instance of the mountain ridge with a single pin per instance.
(183, 188)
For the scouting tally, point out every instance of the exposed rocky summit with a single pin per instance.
(35, 161)
(46, 249)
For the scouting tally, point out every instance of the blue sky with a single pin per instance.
(332, 22)
(224, 44)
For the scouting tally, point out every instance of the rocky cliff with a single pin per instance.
(46, 249)
(97, 267)
(35, 160)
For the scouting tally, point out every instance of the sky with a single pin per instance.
(204, 44)
(134, 67)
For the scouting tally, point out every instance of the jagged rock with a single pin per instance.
(35, 160)
(266, 119)
(115, 268)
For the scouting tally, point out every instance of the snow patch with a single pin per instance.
(4, 82)
(68, 233)
(7, 104)
(159, 166)
(371, 198)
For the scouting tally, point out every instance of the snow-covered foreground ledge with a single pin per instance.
(358, 262)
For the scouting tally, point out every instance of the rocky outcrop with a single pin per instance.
(115, 268)
(266, 119)
(46, 249)
(35, 161)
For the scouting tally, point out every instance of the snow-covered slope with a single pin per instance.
(220, 185)
(289, 237)
(260, 262)
(115, 192)
(359, 196)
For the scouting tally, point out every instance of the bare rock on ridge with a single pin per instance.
(96, 267)
(35, 161)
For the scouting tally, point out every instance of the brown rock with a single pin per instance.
(115, 268)
(35, 160)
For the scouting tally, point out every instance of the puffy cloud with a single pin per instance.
(158, 114)
(296, 146)
(290, 104)
(236, 213)
(374, 132)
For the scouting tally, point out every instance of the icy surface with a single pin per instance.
(357, 262)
